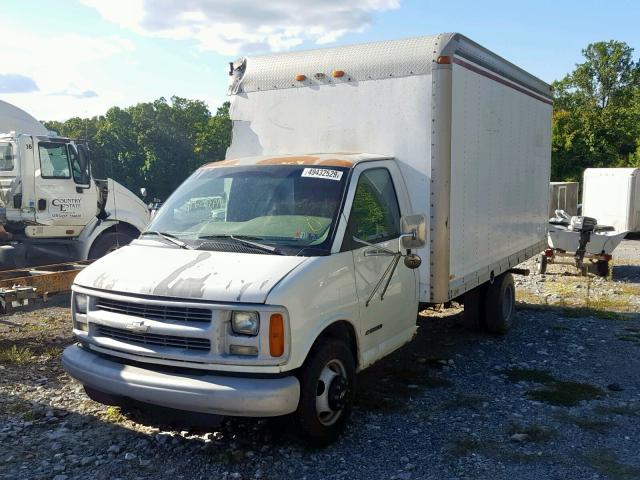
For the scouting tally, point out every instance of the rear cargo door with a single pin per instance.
(387, 311)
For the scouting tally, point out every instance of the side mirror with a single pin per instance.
(83, 159)
(414, 231)
(143, 192)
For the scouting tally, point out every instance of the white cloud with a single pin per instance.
(64, 67)
(230, 27)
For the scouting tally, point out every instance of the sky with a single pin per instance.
(67, 58)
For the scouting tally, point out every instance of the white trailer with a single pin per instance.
(343, 161)
(612, 196)
(52, 208)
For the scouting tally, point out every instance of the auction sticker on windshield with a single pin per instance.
(325, 173)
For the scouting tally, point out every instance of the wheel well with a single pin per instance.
(122, 227)
(342, 330)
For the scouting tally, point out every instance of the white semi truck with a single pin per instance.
(304, 268)
(51, 208)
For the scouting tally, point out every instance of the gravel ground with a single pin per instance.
(557, 397)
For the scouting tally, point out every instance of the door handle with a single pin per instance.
(42, 204)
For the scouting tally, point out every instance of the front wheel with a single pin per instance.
(107, 243)
(327, 392)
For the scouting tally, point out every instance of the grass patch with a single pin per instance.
(565, 394)
(516, 375)
(625, 410)
(113, 414)
(605, 462)
(536, 433)
(465, 446)
(593, 424)
(16, 355)
(581, 312)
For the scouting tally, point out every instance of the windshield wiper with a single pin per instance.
(243, 240)
(169, 237)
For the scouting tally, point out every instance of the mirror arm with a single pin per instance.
(390, 268)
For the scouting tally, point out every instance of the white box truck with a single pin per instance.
(52, 210)
(612, 196)
(266, 281)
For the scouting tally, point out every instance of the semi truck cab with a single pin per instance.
(52, 206)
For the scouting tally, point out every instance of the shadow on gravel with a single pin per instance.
(626, 273)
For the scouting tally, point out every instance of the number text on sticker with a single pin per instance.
(325, 173)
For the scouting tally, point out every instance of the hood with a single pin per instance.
(188, 274)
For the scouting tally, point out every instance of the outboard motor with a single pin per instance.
(585, 226)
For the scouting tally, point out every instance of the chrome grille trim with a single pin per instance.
(160, 313)
(186, 343)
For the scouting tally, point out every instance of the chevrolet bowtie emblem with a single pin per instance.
(138, 327)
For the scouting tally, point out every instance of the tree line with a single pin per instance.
(155, 145)
(596, 123)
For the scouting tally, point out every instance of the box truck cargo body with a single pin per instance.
(361, 182)
(612, 196)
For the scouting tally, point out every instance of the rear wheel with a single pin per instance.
(327, 392)
(473, 316)
(107, 243)
(500, 304)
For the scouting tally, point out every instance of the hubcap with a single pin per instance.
(332, 392)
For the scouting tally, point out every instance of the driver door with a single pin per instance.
(64, 195)
(387, 317)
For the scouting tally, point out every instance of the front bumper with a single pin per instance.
(197, 392)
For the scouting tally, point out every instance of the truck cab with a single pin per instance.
(52, 206)
(290, 251)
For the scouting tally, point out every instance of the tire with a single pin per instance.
(500, 304)
(542, 263)
(107, 243)
(473, 316)
(332, 359)
(602, 268)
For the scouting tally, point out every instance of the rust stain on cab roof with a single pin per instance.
(288, 160)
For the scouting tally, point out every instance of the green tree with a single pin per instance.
(596, 120)
(153, 144)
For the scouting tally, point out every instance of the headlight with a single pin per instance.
(81, 301)
(245, 323)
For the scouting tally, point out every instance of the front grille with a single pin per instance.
(161, 313)
(187, 343)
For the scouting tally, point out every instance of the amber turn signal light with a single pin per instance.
(276, 335)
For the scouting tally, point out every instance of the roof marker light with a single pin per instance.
(443, 60)
(300, 77)
(337, 73)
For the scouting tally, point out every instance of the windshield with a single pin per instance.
(290, 207)
(6, 157)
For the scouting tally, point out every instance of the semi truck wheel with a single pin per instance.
(542, 264)
(327, 392)
(107, 243)
(500, 304)
(602, 268)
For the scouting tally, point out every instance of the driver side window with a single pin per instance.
(375, 214)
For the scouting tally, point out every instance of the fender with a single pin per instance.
(93, 230)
